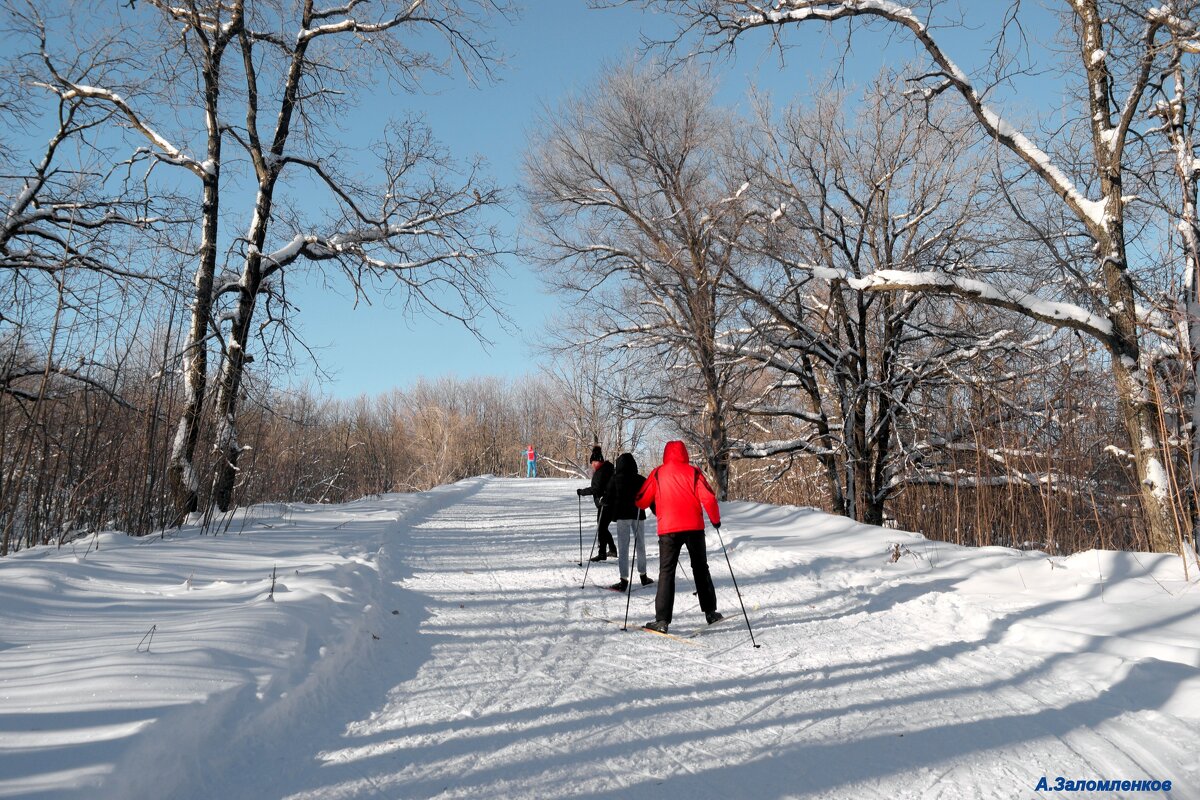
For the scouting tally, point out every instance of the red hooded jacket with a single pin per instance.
(678, 491)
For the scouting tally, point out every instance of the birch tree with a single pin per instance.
(1177, 115)
(205, 29)
(414, 229)
(1117, 49)
(417, 228)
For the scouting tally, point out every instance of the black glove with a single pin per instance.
(581, 492)
(716, 526)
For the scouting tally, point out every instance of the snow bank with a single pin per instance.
(442, 644)
(125, 663)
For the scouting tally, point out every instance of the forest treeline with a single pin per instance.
(109, 471)
(110, 474)
(888, 301)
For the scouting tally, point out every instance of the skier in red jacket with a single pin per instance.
(680, 493)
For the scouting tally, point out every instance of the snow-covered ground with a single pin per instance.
(440, 645)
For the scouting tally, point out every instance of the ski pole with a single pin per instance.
(580, 499)
(589, 561)
(629, 588)
(745, 616)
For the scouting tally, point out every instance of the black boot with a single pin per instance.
(646, 579)
(713, 616)
(658, 626)
(620, 585)
(600, 557)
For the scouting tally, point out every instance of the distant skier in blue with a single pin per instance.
(530, 462)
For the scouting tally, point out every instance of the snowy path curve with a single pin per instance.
(497, 680)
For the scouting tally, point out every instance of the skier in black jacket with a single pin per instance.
(601, 473)
(622, 489)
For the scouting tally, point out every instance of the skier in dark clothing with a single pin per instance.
(679, 492)
(601, 474)
(619, 497)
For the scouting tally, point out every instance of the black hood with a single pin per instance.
(626, 464)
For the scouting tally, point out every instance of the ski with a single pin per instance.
(704, 628)
(635, 627)
(686, 638)
(618, 591)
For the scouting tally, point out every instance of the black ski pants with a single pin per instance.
(669, 547)
(608, 545)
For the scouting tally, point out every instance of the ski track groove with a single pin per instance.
(863, 687)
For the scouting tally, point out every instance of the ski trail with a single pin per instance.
(506, 686)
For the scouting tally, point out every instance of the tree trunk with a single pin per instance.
(828, 459)
(229, 387)
(881, 438)
(267, 166)
(717, 447)
(1175, 116)
(1135, 397)
(181, 470)
(1141, 421)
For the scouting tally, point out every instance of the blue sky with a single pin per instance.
(553, 47)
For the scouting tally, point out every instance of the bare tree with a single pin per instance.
(205, 29)
(208, 28)
(592, 395)
(1118, 49)
(852, 369)
(417, 228)
(636, 224)
(73, 212)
